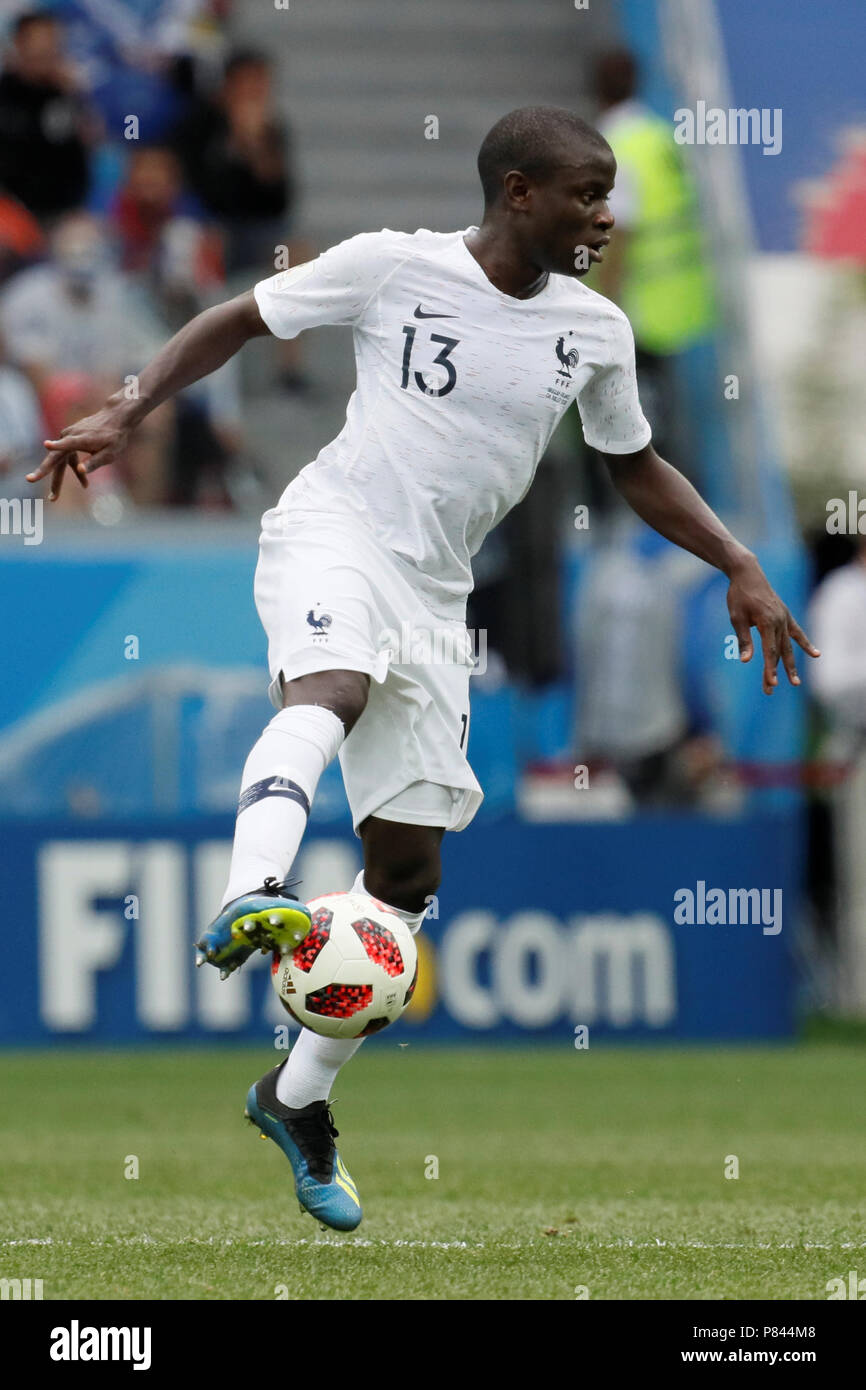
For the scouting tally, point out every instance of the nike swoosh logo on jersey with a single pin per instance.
(420, 314)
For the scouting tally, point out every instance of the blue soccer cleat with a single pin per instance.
(306, 1137)
(271, 919)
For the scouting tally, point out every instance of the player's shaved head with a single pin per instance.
(535, 140)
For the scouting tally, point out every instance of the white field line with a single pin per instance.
(363, 1243)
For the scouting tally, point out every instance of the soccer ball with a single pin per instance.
(355, 970)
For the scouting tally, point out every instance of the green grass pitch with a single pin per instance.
(559, 1169)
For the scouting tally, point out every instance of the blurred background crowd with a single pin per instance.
(145, 172)
(150, 165)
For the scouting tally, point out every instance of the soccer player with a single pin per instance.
(469, 347)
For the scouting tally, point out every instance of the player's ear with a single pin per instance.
(516, 186)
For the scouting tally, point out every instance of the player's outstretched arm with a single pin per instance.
(202, 345)
(665, 500)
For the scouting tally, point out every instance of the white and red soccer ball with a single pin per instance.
(354, 972)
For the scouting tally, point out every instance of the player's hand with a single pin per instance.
(753, 603)
(103, 436)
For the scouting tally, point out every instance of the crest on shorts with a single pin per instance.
(319, 625)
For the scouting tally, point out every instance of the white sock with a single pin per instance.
(413, 920)
(312, 1068)
(314, 1061)
(277, 788)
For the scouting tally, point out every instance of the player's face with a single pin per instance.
(572, 222)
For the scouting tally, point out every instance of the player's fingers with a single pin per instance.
(48, 464)
(57, 479)
(66, 461)
(744, 637)
(788, 660)
(72, 442)
(800, 637)
(770, 646)
(97, 460)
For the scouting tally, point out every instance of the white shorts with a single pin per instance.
(330, 598)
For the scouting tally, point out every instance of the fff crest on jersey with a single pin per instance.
(568, 357)
(559, 389)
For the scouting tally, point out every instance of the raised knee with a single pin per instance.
(348, 699)
(343, 692)
(408, 882)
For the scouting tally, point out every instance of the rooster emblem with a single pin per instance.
(320, 624)
(568, 359)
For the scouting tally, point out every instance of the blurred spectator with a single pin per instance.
(837, 623)
(178, 263)
(21, 427)
(76, 329)
(148, 200)
(835, 205)
(233, 151)
(21, 239)
(655, 266)
(632, 711)
(141, 56)
(45, 127)
(516, 597)
(80, 327)
(837, 815)
(76, 311)
(154, 228)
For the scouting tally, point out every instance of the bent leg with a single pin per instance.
(283, 770)
(402, 863)
(344, 693)
(401, 869)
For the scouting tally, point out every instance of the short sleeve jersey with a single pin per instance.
(459, 389)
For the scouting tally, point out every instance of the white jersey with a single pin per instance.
(459, 389)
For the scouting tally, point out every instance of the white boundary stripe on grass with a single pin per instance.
(732, 1245)
(111, 1241)
(363, 1242)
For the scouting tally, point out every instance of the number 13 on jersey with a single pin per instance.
(441, 360)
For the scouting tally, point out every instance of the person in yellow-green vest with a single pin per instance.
(655, 267)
